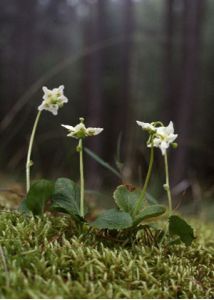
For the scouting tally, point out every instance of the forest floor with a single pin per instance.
(47, 258)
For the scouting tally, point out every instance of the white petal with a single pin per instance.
(156, 142)
(64, 99)
(71, 134)
(171, 138)
(45, 90)
(61, 88)
(140, 123)
(71, 128)
(170, 128)
(163, 146)
(161, 131)
(146, 126)
(53, 110)
(94, 131)
(41, 107)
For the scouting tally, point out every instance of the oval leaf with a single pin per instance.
(126, 199)
(150, 212)
(40, 191)
(113, 219)
(66, 197)
(178, 226)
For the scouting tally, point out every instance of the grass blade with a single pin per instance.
(102, 162)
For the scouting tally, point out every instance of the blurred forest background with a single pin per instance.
(120, 61)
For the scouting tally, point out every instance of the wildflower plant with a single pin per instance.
(80, 132)
(160, 137)
(131, 208)
(163, 137)
(52, 101)
(136, 209)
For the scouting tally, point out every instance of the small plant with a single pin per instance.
(65, 195)
(132, 207)
(80, 132)
(52, 101)
(161, 137)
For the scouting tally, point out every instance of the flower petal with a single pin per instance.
(163, 146)
(146, 126)
(68, 127)
(91, 131)
(170, 128)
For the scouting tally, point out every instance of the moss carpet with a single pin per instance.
(48, 258)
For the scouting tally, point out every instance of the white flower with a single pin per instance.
(164, 136)
(146, 126)
(80, 131)
(53, 99)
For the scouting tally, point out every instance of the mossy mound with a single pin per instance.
(48, 258)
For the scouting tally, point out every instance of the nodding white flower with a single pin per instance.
(164, 137)
(53, 99)
(146, 126)
(80, 131)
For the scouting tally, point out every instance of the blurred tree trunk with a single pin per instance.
(22, 45)
(20, 66)
(128, 26)
(169, 67)
(94, 33)
(124, 118)
(188, 91)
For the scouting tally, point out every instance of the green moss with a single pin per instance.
(48, 258)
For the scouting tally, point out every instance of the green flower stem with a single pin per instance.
(80, 148)
(167, 186)
(28, 161)
(141, 198)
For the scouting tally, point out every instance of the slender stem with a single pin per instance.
(80, 146)
(167, 186)
(28, 161)
(141, 198)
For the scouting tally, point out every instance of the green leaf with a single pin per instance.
(40, 191)
(119, 164)
(66, 197)
(126, 199)
(150, 212)
(113, 219)
(102, 162)
(178, 226)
